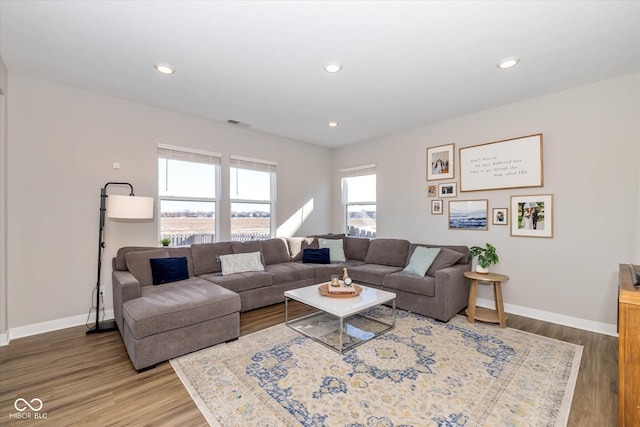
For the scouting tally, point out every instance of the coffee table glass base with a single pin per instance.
(340, 334)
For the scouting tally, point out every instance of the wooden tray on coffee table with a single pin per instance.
(324, 291)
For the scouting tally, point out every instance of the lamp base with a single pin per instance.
(105, 326)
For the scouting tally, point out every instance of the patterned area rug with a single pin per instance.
(422, 373)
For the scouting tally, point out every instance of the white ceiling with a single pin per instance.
(406, 64)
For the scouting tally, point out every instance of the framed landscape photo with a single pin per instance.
(500, 216)
(468, 214)
(532, 216)
(436, 207)
(449, 189)
(512, 163)
(440, 162)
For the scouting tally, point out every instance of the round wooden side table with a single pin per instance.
(481, 313)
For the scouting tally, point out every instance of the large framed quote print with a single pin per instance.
(512, 163)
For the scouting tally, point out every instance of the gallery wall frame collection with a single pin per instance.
(507, 164)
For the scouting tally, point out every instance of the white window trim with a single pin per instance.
(350, 172)
(264, 166)
(218, 178)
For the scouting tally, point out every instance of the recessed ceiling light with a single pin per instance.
(164, 69)
(333, 124)
(332, 67)
(509, 62)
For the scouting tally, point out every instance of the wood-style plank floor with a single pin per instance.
(88, 380)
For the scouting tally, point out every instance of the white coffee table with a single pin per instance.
(340, 324)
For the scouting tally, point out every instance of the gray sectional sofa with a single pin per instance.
(159, 322)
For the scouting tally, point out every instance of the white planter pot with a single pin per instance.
(481, 270)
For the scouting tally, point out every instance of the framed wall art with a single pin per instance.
(436, 207)
(500, 216)
(512, 163)
(431, 191)
(532, 216)
(440, 162)
(449, 189)
(468, 214)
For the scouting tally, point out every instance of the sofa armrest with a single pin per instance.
(451, 290)
(125, 287)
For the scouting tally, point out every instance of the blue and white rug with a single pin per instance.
(422, 373)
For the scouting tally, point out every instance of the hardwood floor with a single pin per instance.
(88, 380)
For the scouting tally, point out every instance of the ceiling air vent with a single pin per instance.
(238, 123)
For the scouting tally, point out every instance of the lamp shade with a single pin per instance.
(129, 207)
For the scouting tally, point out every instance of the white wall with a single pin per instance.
(61, 145)
(4, 84)
(591, 151)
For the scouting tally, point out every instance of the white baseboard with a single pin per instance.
(574, 322)
(52, 325)
(560, 319)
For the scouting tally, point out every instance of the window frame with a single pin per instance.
(352, 172)
(258, 165)
(185, 153)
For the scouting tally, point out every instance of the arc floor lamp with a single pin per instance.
(119, 207)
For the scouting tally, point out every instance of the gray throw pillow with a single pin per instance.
(446, 258)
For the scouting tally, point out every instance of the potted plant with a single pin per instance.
(486, 257)
(166, 241)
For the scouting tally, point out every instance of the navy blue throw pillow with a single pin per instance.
(316, 256)
(167, 270)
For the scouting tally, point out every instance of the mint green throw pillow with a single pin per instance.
(421, 260)
(336, 250)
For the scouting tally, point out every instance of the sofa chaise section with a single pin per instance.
(159, 322)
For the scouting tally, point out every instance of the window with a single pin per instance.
(253, 185)
(359, 200)
(188, 182)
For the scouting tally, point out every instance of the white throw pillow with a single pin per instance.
(238, 263)
(336, 251)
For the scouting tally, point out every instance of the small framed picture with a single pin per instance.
(449, 189)
(532, 216)
(500, 216)
(440, 162)
(432, 191)
(468, 214)
(436, 207)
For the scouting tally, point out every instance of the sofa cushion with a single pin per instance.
(239, 263)
(240, 282)
(275, 251)
(391, 252)
(246, 247)
(176, 305)
(167, 270)
(406, 282)
(316, 256)
(139, 265)
(119, 262)
(446, 258)
(336, 249)
(205, 256)
(371, 273)
(421, 260)
(356, 248)
(290, 272)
